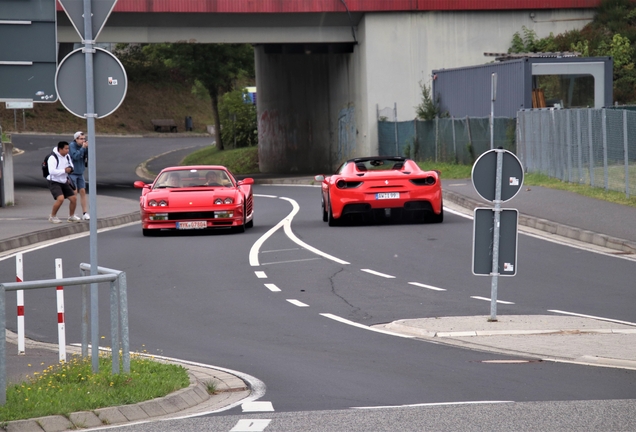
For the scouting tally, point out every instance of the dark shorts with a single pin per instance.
(79, 181)
(58, 189)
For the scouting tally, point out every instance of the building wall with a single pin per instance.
(403, 49)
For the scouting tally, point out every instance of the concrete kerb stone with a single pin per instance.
(62, 231)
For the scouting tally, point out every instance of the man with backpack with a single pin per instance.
(59, 166)
(78, 149)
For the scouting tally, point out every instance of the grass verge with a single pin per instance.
(72, 386)
(238, 161)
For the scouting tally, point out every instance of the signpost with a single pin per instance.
(497, 177)
(88, 18)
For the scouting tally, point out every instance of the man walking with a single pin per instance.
(79, 154)
(60, 166)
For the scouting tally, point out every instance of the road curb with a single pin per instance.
(63, 230)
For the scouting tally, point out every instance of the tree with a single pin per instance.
(238, 119)
(428, 109)
(216, 66)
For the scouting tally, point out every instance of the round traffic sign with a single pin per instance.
(109, 83)
(484, 175)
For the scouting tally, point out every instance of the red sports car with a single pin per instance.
(196, 197)
(381, 188)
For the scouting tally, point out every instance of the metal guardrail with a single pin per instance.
(118, 316)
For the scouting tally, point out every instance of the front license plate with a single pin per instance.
(389, 195)
(192, 225)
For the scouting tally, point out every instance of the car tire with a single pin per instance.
(434, 218)
(250, 224)
(330, 219)
(325, 215)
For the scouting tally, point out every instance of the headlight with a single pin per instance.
(223, 201)
(152, 203)
(163, 203)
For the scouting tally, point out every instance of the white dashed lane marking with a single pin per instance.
(255, 425)
(431, 287)
(272, 287)
(260, 274)
(297, 303)
(373, 272)
(487, 299)
(257, 406)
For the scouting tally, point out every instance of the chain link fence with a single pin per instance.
(596, 147)
(449, 140)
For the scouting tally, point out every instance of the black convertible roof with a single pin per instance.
(371, 158)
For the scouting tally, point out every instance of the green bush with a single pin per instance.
(238, 120)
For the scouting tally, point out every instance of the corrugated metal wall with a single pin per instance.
(291, 6)
(466, 91)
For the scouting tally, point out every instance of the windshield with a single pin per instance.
(192, 178)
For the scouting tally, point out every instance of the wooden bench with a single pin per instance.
(164, 123)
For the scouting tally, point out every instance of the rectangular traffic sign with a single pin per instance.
(483, 230)
(28, 52)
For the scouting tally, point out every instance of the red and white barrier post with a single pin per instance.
(19, 277)
(61, 333)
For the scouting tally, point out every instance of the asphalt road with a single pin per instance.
(197, 297)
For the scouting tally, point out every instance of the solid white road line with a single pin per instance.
(286, 223)
(257, 406)
(593, 317)
(265, 196)
(362, 326)
(487, 299)
(254, 425)
(297, 303)
(289, 261)
(272, 287)
(260, 274)
(431, 287)
(373, 272)
(298, 241)
(435, 404)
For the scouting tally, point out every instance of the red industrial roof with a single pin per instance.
(313, 6)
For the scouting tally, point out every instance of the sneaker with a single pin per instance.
(86, 216)
(54, 219)
(73, 219)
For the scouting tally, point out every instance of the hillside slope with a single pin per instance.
(142, 103)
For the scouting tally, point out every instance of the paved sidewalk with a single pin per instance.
(582, 340)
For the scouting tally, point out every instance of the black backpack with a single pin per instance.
(45, 164)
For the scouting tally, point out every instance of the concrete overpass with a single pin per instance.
(325, 67)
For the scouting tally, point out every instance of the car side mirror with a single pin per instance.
(246, 181)
(319, 178)
(140, 184)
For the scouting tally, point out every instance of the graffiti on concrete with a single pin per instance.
(346, 144)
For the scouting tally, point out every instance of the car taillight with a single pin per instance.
(426, 181)
(342, 184)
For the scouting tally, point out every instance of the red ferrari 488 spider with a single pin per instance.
(196, 197)
(381, 188)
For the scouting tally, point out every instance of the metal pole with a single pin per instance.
(626, 152)
(3, 349)
(493, 96)
(579, 144)
(397, 150)
(92, 172)
(589, 134)
(605, 168)
(568, 139)
(495, 237)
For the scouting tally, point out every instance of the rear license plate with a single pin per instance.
(192, 225)
(389, 195)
